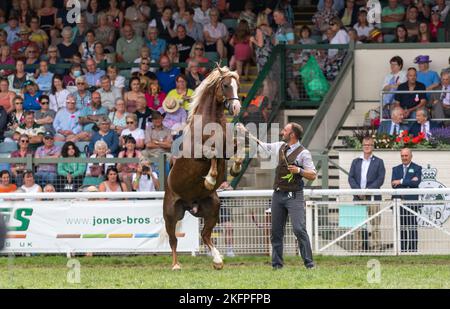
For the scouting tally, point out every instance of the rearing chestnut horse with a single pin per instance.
(193, 181)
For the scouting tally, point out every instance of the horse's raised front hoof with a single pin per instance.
(218, 266)
(209, 186)
(176, 267)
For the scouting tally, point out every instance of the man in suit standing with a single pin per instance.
(423, 124)
(367, 172)
(395, 125)
(407, 175)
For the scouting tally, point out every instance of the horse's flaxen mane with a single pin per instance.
(208, 84)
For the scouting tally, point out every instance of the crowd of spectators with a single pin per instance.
(64, 91)
(415, 112)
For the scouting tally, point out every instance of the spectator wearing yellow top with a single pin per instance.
(182, 94)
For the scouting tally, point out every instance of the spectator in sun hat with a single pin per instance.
(426, 76)
(18, 48)
(158, 138)
(174, 116)
(375, 36)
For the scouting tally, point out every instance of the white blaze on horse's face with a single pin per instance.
(236, 104)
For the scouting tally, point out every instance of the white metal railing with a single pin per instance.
(231, 193)
(245, 223)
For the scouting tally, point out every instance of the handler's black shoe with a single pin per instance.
(310, 266)
(277, 267)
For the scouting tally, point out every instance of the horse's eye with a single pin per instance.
(226, 86)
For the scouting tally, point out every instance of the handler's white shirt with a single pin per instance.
(304, 158)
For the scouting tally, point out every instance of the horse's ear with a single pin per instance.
(219, 68)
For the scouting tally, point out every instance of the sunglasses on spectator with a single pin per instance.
(44, 102)
(23, 141)
(81, 84)
(434, 12)
(198, 48)
(18, 103)
(48, 137)
(130, 122)
(52, 51)
(332, 24)
(145, 63)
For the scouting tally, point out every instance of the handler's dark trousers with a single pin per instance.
(292, 203)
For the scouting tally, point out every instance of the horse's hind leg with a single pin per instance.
(211, 217)
(211, 178)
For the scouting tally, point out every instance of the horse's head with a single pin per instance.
(227, 90)
(218, 90)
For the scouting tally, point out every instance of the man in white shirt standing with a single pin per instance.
(294, 163)
(368, 172)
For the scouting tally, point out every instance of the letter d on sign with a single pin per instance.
(374, 274)
(74, 273)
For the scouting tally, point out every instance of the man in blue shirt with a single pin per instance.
(167, 75)
(90, 115)
(284, 34)
(12, 30)
(93, 74)
(157, 46)
(66, 123)
(45, 77)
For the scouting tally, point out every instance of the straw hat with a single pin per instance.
(170, 105)
(24, 30)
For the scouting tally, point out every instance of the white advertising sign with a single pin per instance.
(93, 226)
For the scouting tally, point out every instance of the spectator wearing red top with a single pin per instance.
(435, 24)
(155, 96)
(19, 47)
(242, 49)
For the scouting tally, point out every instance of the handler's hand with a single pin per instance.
(241, 127)
(294, 169)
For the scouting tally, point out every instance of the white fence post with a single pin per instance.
(316, 226)
(309, 219)
(397, 238)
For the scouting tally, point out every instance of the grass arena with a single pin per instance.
(246, 272)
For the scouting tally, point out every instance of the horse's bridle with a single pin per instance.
(226, 100)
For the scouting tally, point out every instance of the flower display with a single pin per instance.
(439, 139)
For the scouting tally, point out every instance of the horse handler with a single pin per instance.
(294, 164)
